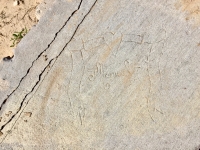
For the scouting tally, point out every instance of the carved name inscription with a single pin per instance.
(99, 70)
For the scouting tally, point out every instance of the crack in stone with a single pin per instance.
(26, 104)
(5, 100)
(22, 102)
(55, 58)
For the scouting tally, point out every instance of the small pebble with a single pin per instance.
(16, 2)
(8, 58)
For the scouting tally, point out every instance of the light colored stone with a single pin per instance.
(42, 8)
(106, 75)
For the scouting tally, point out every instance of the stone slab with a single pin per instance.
(104, 75)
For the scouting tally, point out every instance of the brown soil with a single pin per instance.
(192, 9)
(14, 19)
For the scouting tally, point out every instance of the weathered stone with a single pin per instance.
(104, 74)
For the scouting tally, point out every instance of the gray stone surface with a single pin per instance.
(104, 74)
(43, 7)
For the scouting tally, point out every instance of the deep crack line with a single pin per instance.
(5, 100)
(40, 75)
(22, 102)
(26, 105)
(20, 113)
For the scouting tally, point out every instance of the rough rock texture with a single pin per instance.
(104, 74)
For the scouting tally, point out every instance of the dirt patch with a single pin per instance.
(14, 16)
(192, 9)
